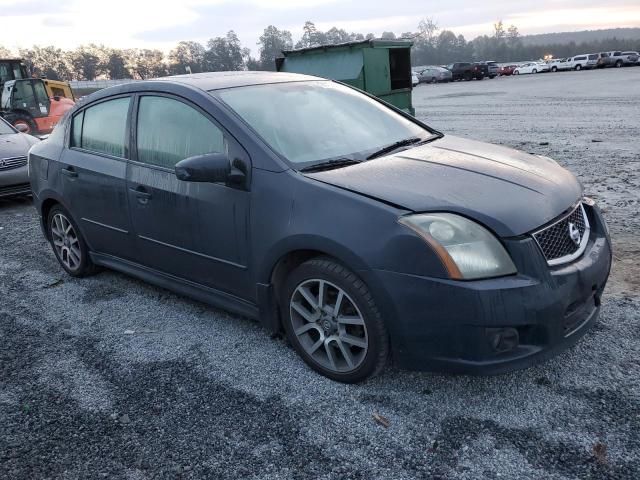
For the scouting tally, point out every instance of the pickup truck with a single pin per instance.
(467, 71)
(617, 59)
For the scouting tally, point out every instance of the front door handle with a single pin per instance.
(142, 195)
(69, 172)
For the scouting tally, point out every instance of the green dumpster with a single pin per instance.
(379, 67)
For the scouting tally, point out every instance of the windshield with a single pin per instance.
(5, 129)
(311, 122)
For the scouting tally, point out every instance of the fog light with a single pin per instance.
(503, 339)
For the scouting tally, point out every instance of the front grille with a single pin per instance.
(555, 240)
(15, 162)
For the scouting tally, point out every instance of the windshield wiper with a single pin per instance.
(330, 164)
(396, 145)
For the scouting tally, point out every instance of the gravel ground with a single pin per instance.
(110, 377)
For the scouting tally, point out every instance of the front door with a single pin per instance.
(93, 169)
(194, 231)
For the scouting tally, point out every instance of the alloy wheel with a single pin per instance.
(328, 325)
(66, 242)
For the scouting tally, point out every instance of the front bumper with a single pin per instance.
(14, 182)
(497, 325)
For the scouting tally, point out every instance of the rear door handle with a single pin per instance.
(142, 194)
(69, 172)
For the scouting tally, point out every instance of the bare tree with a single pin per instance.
(428, 29)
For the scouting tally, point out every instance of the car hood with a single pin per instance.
(15, 145)
(509, 191)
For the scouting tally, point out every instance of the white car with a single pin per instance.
(583, 61)
(414, 79)
(532, 67)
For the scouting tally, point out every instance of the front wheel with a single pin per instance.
(516, 72)
(332, 321)
(68, 243)
(29, 125)
(554, 69)
(578, 68)
(619, 64)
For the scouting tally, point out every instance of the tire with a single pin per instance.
(433, 80)
(68, 244)
(619, 64)
(578, 68)
(534, 71)
(23, 119)
(516, 72)
(318, 334)
(554, 69)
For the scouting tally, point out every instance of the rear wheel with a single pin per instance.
(578, 67)
(24, 119)
(554, 69)
(534, 71)
(68, 244)
(517, 72)
(618, 63)
(332, 321)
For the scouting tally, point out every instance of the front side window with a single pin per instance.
(23, 95)
(308, 122)
(102, 127)
(170, 131)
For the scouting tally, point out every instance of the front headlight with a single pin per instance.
(467, 250)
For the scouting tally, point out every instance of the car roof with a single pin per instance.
(207, 82)
(217, 80)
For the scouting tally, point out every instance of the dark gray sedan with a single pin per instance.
(14, 177)
(323, 212)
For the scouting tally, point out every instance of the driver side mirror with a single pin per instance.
(210, 168)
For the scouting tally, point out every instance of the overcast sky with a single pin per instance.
(161, 24)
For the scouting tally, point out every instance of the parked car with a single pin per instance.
(14, 145)
(583, 62)
(360, 234)
(481, 70)
(466, 71)
(506, 70)
(559, 64)
(525, 68)
(618, 59)
(433, 74)
(492, 68)
(414, 80)
(631, 56)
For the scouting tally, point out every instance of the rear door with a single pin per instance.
(195, 231)
(93, 169)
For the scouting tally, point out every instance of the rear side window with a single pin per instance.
(102, 128)
(170, 131)
(593, 57)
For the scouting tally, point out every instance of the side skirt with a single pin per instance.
(178, 285)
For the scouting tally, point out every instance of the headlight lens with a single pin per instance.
(468, 250)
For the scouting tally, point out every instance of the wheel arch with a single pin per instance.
(45, 205)
(287, 256)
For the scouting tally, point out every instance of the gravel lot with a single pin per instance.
(110, 377)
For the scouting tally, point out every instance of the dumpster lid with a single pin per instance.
(372, 43)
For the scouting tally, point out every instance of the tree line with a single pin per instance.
(431, 46)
